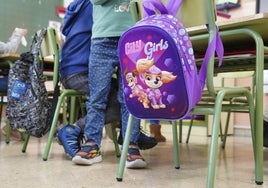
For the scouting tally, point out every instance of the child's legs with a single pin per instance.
(77, 82)
(103, 59)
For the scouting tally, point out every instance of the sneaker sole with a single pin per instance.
(138, 163)
(82, 161)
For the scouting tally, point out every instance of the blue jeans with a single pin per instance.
(79, 82)
(3, 84)
(102, 64)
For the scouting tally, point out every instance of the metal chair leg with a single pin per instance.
(26, 138)
(53, 127)
(175, 145)
(114, 136)
(8, 132)
(123, 157)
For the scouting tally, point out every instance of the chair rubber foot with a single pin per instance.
(23, 151)
(177, 167)
(44, 159)
(259, 182)
(119, 179)
(118, 156)
(7, 142)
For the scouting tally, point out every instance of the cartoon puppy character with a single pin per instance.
(154, 78)
(137, 90)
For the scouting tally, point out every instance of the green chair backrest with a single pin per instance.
(50, 48)
(52, 42)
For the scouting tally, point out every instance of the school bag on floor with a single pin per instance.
(157, 62)
(28, 107)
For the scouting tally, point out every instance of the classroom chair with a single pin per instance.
(224, 78)
(206, 12)
(64, 94)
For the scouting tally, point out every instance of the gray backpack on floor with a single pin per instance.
(28, 108)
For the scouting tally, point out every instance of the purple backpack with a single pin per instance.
(160, 77)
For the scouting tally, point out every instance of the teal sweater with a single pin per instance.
(108, 20)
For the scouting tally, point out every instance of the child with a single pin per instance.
(110, 19)
(73, 69)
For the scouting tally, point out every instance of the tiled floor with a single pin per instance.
(235, 166)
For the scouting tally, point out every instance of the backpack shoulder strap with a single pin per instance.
(38, 41)
(35, 50)
(215, 45)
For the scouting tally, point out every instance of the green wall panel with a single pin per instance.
(30, 14)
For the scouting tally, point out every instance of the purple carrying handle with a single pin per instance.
(173, 6)
(150, 7)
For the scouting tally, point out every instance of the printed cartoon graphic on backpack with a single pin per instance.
(157, 60)
(154, 78)
(150, 73)
(136, 89)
